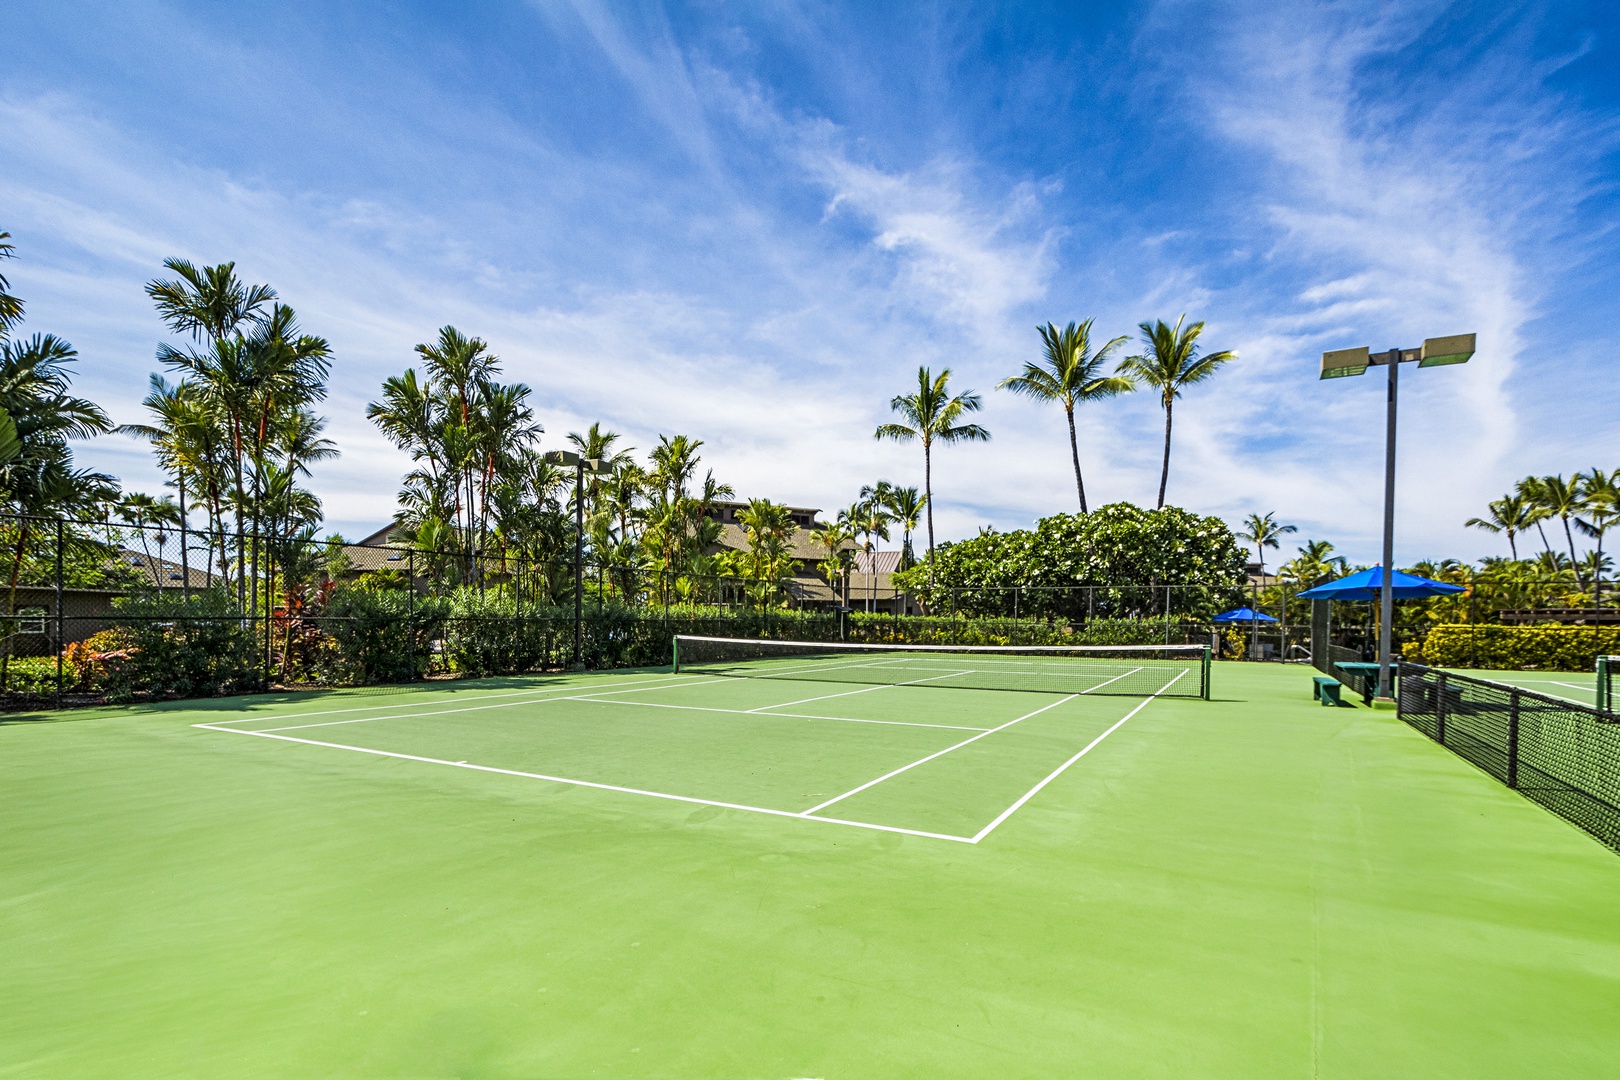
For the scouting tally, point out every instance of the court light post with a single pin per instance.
(1434, 352)
(581, 466)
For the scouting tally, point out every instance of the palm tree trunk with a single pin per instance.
(1574, 566)
(928, 491)
(1074, 451)
(1513, 548)
(1164, 475)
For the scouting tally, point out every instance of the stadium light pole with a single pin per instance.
(581, 466)
(1435, 352)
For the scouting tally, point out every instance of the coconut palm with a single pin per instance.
(1529, 489)
(867, 517)
(1070, 373)
(906, 507)
(1170, 363)
(1561, 499)
(932, 415)
(1264, 532)
(1510, 514)
(834, 537)
(1600, 500)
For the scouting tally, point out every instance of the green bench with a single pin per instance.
(1326, 690)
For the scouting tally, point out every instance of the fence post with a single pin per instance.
(1513, 740)
(410, 612)
(185, 541)
(1440, 708)
(61, 645)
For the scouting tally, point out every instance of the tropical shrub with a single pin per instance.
(176, 647)
(380, 635)
(1519, 648)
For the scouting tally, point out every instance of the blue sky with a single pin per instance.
(751, 223)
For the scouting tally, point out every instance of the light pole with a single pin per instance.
(581, 465)
(1435, 352)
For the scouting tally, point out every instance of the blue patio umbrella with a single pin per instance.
(1364, 585)
(1243, 614)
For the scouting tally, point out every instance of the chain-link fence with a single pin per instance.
(1558, 753)
(104, 611)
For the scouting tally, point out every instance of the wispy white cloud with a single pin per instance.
(1398, 220)
(773, 279)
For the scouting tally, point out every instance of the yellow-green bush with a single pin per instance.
(1520, 648)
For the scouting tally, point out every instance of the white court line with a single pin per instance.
(587, 783)
(426, 688)
(863, 690)
(785, 715)
(1572, 686)
(931, 757)
(1133, 671)
(1055, 773)
(477, 708)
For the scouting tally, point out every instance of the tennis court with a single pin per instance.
(660, 874)
(926, 742)
(1577, 686)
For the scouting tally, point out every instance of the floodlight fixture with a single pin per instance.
(1439, 351)
(1343, 362)
(1340, 363)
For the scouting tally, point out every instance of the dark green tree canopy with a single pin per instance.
(1124, 550)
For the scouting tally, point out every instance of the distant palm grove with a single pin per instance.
(503, 530)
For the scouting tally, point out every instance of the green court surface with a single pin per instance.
(653, 875)
(1577, 686)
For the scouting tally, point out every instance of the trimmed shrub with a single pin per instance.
(1519, 648)
(181, 648)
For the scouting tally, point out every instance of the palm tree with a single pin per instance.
(1264, 532)
(1314, 562)
(906, 506)
(1561, 499)
(207, 302)
(866, 517)
(1529, 489)
(1070, 373)
(1171, 362)
(833, 536)
(875, 518)
(931, 415)
(1510, 514)
(143, 511)
(11, 307)
(1600, 498)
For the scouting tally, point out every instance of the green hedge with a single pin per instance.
(1518, 648)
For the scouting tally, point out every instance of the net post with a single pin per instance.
(1513, 740)
(675, 654)
(1440, 708)
(1206, 671)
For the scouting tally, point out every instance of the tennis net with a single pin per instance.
(1125, 670)
(1606, 668)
